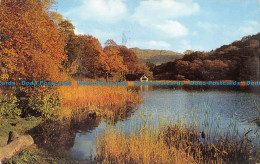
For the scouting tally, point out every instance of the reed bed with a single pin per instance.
(144, 147)
(169, 143)
(102, 100)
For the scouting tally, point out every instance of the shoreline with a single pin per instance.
(91, 113)
(196, 83)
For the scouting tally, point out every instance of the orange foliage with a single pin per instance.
(30, 46)
(130, 59)
(115, 61)
(92, 60)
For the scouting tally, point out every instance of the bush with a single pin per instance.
(44, 104)
(9, 106)
(34, 102)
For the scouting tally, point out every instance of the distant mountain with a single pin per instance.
(156, 56)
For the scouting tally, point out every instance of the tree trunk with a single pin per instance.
(15, 145)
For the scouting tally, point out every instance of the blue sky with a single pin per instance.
(175, 25)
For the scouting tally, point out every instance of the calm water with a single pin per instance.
(215, 111)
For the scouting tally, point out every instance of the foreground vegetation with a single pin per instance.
(67, 102)
(174, 143)
(22, 113)
(38, 44)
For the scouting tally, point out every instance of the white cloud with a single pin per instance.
(100, 10)
(172, 28)
(152, 44)
(156, 10)
(162, 14)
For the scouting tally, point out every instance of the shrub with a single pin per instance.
(9, 106)
(44, 104)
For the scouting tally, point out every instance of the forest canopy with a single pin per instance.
(239, 61)
(39, 44)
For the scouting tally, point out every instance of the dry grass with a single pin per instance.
(103, 100)
(226, 150)
(171, 144)
(145, 147)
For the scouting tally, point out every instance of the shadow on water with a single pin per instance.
(60, 137)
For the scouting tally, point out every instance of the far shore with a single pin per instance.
(187, 82)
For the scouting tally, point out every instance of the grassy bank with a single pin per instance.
(67, 101)
(34, 155)
(20, 125)
(170, 143)
(23, 109)
(107, 101)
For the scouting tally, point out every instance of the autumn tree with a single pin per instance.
(72, 46)
(91, 59)
(195, 68)
(188, 52)
(56, 17)
(239, 61)
(128, 64)
(130, 59)
(133, 64)
(214, 70)
(115, 61)
(151, 66)
(182, 67)
(31, 47)
(111, 43)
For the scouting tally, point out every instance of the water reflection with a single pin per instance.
(74, 139)
(217, 108)
(59, 137)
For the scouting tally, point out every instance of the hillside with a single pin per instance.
(239, 60)
(156, 56)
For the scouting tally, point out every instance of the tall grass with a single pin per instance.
(102, 100)
(166, 142)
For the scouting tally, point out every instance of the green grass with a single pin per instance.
(33, 155)
(20, 125)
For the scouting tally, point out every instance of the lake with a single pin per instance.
(215, 111)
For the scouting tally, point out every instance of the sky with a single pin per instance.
(176, 25)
